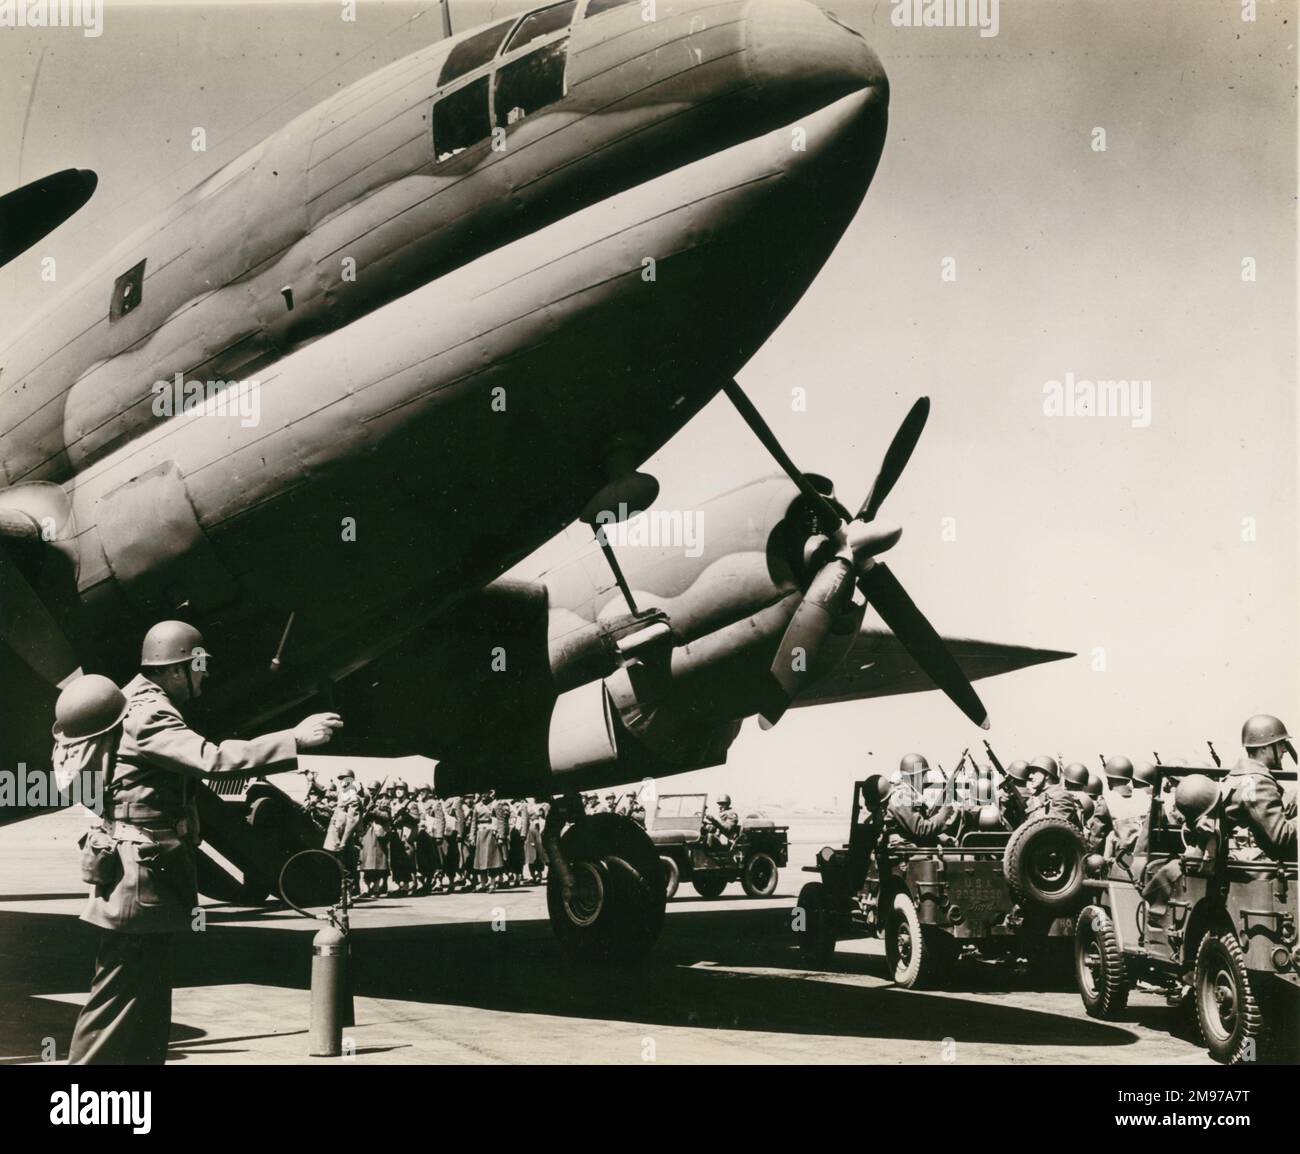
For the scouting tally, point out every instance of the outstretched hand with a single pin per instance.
(316, 729)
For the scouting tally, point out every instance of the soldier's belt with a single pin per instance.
(127, 831)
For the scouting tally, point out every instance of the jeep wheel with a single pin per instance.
(817, 937)
(672, 877)
(1099, 965)
(1044, 864)
(759, 875)
(915, 955)
(1227, 1009)
(709, 887)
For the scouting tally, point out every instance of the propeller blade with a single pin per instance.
(752, 417)
(796, 662)
(896, 458)
(919, 638)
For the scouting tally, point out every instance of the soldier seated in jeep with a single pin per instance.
(1194, 912)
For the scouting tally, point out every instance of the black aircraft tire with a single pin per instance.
(616, 911)
(708, 887)
(672, 877)
(1099, 969)
(816, 938)
(915, 955)
(1043, 865)
(759, 876)
(1228, 1010)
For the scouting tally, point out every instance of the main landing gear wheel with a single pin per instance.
(615, 909)
(672, 877)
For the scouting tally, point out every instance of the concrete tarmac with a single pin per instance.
(479, 978)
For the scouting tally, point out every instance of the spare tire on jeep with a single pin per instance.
(1043, 864)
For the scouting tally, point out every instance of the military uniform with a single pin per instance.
(908, 819)
(1055, 800)
(1252, 800)
(151, 813)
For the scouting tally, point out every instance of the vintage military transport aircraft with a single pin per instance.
(471, 293)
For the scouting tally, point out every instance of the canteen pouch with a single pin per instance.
(101, 866)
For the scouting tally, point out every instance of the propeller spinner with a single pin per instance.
(848, 553)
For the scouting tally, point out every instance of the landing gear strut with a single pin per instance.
(605, 890)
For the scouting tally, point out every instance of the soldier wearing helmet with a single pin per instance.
(909, 818)
(1049, 796)
(1145, 775)
(151, 814)
(1119, 775)
(1252, 797)
(721, 831)
(1014, 793)
(1077, 777)
(1198, 806)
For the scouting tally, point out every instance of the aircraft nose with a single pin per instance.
(805, 57)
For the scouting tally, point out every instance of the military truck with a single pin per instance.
(753, 859)
(1000, 894)
(1215, 920)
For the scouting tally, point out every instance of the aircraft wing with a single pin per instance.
(878, 666)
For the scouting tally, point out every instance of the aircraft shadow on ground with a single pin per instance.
(520, 970)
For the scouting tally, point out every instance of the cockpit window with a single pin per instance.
(542, 23)
(523, 86)
(596, 7)
(461, 119)
(474, 52)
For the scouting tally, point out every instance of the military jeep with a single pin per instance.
(1211, 922)
(1006, 895)
(754, 858)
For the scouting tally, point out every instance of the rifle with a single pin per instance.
(993, 758)
(1012, 803)
(1102, 758)
(1157, 757)
(1213, 754)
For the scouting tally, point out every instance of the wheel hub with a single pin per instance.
(584, 902)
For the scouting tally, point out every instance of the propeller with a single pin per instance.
(845, 558)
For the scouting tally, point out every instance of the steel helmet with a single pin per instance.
(1018, 771)
(1265, 729)
(876, 790)
(1048, 766)
(990, 818)
(911, 763)
(89, 706)
(1076, 776)
(1146, 774)
(1118, 769)
(1196, 796)
(1096, 787)
(170, 643)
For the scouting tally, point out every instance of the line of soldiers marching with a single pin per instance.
(405, 841)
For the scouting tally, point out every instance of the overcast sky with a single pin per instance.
(1079, 533)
